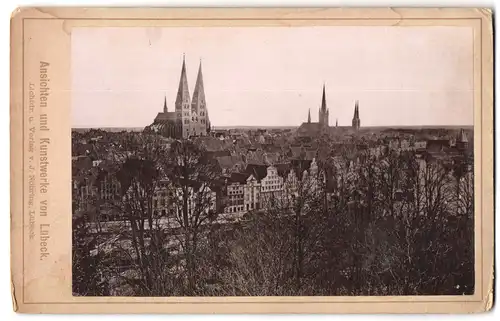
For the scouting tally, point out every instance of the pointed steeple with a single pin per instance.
(323, 101)
(309, 116)
(183, 91)
(356, 122)
(165, 109)
(198, 105)
(183, 103)
(337, 122)
(199, 92)
(323, 111)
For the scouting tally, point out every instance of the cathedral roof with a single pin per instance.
(162, 117)
(309, 129)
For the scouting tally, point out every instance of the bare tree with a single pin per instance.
(137, 235)
(191, 175)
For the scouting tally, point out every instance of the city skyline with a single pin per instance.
(389, 97)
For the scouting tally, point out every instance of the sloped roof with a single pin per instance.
(218, 153)
(259, 171)
(309, 129)
(162, 117)
(239, 177)
(229, 161)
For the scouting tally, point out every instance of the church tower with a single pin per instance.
(462, 141)
(309, 116)
(323, 111)
(199, 112)
(356, 122)
(183, 103)
(165, 109)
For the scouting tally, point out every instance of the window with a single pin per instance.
(186, 121)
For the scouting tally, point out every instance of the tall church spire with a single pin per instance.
(356, 122)
(183, 91)
(199, 92)
(323, 111)
(165, 109)
(198, 105)
(323, 101)
(183, 103)
(309, 116)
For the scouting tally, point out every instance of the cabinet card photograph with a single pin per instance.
(252, 160)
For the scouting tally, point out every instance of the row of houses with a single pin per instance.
(253, 188)
(260, 186)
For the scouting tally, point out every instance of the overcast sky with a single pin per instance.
(271, 76)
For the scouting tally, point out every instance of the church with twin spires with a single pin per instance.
(190, 117)
(322, 127)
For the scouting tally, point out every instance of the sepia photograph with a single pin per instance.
(272, 161)
(252, 161)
